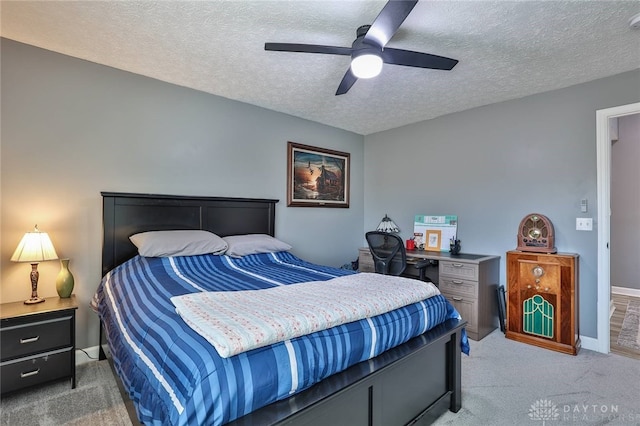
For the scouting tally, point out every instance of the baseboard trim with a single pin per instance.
(626, 291)
(87, 355)
(590, 343)
(612, 309)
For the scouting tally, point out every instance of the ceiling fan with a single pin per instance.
(368, 51)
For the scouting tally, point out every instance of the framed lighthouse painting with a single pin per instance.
(317, 177)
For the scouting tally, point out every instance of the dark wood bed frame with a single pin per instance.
(413, 383)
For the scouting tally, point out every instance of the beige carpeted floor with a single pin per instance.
(95, 401)
(503, 383)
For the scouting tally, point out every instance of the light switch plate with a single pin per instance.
(584, 224)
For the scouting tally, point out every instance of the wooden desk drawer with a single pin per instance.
(467, 271)
(468, 310)
(365, 261)
(459, 287)
(19, 339)
(36, 369)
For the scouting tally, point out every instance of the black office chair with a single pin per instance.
(390, 256)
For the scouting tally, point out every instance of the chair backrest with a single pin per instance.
(389, 255)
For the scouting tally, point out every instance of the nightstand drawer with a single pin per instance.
(459, 286)
(36, 369)
(47, 332)
(467, 271)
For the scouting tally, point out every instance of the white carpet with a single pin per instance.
(505, 382)
(95, 401)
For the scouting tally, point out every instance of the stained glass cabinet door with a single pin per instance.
(542, 300)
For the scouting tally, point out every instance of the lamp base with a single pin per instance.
(33, 300)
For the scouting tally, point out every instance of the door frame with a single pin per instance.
(603, 155)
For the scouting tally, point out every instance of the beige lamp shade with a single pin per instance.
(34, 247)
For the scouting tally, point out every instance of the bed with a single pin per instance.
(172, 375)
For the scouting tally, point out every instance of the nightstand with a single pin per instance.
(37, 343)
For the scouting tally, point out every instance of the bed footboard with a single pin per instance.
(412, 384)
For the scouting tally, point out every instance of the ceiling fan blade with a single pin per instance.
(388, 21)
(347, 81)
(417, 59)
(307, 48)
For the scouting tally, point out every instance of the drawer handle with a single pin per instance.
(457, 281)
(30, 340)
(457, 299)
(457, 265)
(29, 373)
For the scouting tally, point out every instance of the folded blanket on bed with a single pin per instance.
(238, 321)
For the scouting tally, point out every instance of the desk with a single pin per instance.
(468, 281)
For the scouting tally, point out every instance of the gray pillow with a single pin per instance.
(178, 243)
(242, 245)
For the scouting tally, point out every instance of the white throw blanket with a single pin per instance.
(237, 321)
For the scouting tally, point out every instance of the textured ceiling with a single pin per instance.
(506, 49)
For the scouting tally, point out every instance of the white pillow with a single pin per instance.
(241, 245)
(178, 243)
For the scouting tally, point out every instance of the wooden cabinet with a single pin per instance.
(37, 343)
(468, 281)
(542, 300)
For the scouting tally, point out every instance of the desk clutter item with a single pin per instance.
(434, 233)
(454, 247)
(411, 244)
(542, 300)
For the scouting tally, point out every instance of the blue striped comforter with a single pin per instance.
(174, 376)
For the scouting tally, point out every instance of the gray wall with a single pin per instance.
(625, 204)
(495, 164)
(72, 128)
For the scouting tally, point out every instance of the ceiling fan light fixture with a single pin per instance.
(367, 65)
(368, 51)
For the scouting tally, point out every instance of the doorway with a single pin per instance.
(603, 145)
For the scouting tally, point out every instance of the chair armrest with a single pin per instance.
(422, 264)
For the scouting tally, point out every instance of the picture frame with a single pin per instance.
(317, 177)
(432, 242)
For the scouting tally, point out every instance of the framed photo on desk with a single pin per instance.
(438, 230)
(433, 240)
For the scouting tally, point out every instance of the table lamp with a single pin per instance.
(387, 225)
(35, 247)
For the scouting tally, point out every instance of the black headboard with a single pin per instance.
(126, 214)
